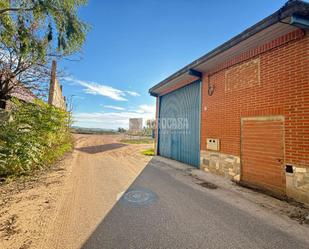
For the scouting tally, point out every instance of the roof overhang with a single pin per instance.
(287, 19)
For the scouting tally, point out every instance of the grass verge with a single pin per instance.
(149, 152)
(138, 141)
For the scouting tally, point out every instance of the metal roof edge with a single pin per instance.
(289, 8)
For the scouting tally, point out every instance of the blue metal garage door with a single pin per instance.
(179, 125)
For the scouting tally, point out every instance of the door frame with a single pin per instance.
(200, 123)
(200, 82)
(158, 125)
(261, 118)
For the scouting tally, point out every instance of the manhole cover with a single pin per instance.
(139, 196)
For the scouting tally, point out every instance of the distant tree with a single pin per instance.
(121, 130)
(32, 33)
(150, 123)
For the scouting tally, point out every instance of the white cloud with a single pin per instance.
(135, 94)
(103, 90)
(115, 107)
(113, 120)
(147, 109)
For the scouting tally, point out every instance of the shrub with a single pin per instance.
(149, 152)
(32, 136)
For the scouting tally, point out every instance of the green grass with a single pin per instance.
(149, 152)
(138, 141)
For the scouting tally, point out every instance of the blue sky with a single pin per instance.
(136, 44)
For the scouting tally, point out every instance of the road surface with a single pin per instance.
(162, 207)
(101, 169)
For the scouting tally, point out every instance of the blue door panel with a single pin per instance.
(179, 125)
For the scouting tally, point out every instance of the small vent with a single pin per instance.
(288, 168)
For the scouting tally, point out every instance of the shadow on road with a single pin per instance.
(116, 227)
(100, 148)
(159, 210)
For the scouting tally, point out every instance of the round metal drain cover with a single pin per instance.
(140, 196)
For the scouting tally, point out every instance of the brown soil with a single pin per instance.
(41, 211)
(26, 204)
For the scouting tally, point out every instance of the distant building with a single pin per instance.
(135, 124)
(20, 92)
(23, 93)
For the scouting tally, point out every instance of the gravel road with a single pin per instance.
(102, 168)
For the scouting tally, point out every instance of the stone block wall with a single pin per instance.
(297, 184)
(55, 97)
(221, 164)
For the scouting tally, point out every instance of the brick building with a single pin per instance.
(242, 110)
(135, 125)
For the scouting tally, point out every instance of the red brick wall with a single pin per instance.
(282, 89)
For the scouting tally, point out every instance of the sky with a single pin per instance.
(135, 44)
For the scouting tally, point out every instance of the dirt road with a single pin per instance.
(62, 208)
(102, 169)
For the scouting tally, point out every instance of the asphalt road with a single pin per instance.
(164, 208)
